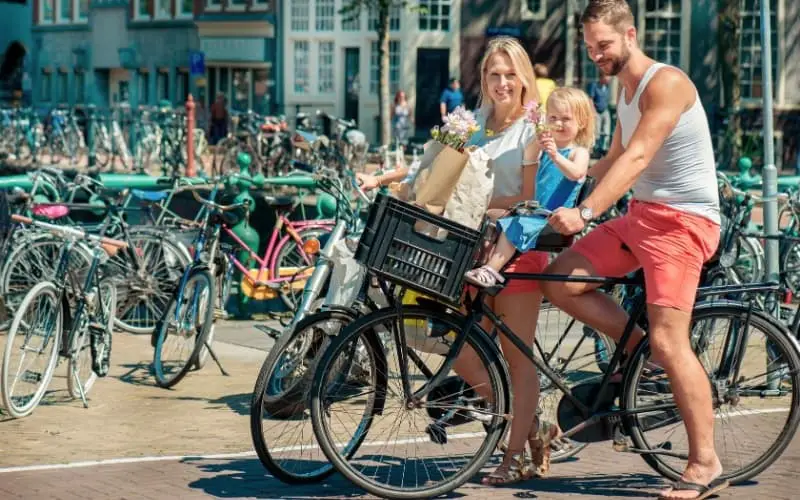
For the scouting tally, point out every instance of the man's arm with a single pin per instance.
(661, 110)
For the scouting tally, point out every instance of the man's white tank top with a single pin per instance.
(682, 174)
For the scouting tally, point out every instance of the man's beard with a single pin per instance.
(618, 64)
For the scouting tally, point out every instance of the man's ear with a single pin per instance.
(630, 35)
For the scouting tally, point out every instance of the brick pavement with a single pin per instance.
(207, 414)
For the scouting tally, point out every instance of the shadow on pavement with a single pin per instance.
(606, 485)
(138, 374)
(248, 478)
(239, 403)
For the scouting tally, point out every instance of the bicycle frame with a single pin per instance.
(476, 308)
(270, 258)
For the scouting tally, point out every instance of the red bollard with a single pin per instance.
(190, 172)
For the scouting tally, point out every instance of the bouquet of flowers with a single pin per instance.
(534, 113)
(459, 127)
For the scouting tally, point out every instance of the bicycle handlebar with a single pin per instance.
(69, 231)
(217, 206)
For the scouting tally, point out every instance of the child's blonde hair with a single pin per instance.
(522, 64)
(582, 110)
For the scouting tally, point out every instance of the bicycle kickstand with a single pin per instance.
(216, 359)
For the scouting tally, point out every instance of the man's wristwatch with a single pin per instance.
(587, 214)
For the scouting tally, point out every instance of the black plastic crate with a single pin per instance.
(394, 246)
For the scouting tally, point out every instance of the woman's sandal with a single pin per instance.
(540, 448)
(515, 470)
(483, 277)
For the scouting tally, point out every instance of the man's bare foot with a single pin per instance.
(698, 481)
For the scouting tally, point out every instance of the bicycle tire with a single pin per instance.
(11, 408)
(293, 401)
(488, 354)
(777, 334)
(158, 363)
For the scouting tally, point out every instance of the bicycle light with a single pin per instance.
(311, 246)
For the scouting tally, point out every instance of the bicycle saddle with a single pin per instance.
(50, 212)
(279, 202)
(153, 196)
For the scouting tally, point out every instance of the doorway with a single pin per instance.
(433, 71)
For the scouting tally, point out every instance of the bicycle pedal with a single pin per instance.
(437, 434)
(620, 441)
(220, 313)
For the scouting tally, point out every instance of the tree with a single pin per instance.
(728, 41)
(352, 10)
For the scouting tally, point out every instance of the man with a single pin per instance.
(599, 92)
(662, 148)
(451, 98)
(219, 118)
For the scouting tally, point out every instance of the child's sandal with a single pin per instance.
(483, 277)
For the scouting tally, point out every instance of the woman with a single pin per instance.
(507, 83)
(401, 118)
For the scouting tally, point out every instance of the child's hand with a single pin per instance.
(548, 144)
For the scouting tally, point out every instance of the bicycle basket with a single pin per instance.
(407, 245)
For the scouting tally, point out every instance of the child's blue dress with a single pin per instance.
(553, 190)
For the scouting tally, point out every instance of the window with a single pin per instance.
(662, 30)
(185, 8)
(144, 88)
(182, 90)
(394, 67)
(44, 87)
(213, 4)
(300, 15)
(325, 67)
(163, 8)
(261, 91)
(79, 84)
(243, 88)
(536, 9)
(325, 14)
(142, 9)
(436, 16)
(588, 67)
(47, 11)
(351, 24)
(162, 85)
(62, 90)
(301, 75)
(750, 60)
(64, 11)
(83, 10)
(394, 18)
(237, 4)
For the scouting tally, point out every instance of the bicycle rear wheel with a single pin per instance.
(457, 429)
(756, 415)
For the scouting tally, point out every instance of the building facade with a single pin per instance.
(331, 61)
(108, 52)
(679, 32)
(15, 43)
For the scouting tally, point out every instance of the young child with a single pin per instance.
(563, 161)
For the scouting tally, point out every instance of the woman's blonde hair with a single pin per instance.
(582, 110)
(522, 64)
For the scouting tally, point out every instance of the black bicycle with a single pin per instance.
(429, 432)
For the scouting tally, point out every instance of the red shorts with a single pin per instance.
(669, 244)
(529, 262)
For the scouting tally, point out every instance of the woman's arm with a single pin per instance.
(529, 167)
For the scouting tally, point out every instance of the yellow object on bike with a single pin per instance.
(418, 332)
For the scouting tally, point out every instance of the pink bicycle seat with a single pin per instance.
(51, 212)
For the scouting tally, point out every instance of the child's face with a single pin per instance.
(561, 122)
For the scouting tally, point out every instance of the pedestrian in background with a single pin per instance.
(599, 92)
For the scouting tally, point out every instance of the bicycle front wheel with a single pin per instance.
(755, 393)
(447, 436)
(31, 352)
(184, 328)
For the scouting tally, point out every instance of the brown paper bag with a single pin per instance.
(439, 172)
